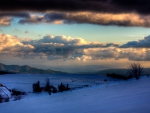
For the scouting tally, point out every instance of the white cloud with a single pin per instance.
(5, 21)
(11, 44)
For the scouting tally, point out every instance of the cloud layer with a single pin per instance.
(124, 19)
(67, 48)
(52, 17)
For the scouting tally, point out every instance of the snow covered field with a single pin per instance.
(24, 82)
(131, 96)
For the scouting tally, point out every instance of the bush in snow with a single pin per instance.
(36, 87)
(54, 89)
(62, 87)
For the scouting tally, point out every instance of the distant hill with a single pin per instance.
(123, 72)
(27, 69)
(146, 71)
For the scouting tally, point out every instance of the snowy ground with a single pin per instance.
(24, 82)
(132, 96)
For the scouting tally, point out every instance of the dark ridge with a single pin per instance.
(27, 69)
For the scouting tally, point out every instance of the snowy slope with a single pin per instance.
(126, 97)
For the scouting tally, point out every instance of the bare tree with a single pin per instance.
(135, 70)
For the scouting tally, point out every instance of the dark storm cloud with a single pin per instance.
(15, 14)
(109, 6)
(140, 6)
(61, 5)
(99, 12)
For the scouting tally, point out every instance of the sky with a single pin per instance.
(75, 35)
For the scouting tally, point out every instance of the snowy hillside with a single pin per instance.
(115, 97)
